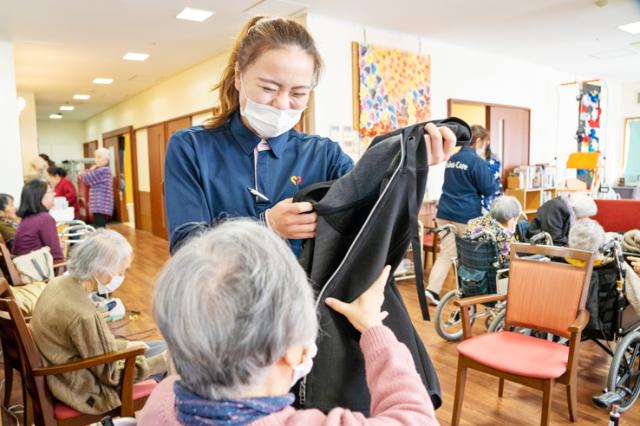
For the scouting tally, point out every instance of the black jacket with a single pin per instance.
(553, 217)
(366, 220)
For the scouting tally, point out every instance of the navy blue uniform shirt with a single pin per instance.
(466, 178)
(208, 173)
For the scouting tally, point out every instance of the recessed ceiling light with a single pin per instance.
(132, 56)
(197, 15)
(633, 28)
(67, 107)
(55, 116)
(101, 80)
(81, 97)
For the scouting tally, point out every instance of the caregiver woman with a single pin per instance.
(248, 161)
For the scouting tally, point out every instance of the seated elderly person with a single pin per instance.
(499, 224)
(67, 327)
(240, 322)
(558, 215)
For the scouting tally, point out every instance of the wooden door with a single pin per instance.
(112, 144)
(88, 151)
(156, 140)
(509, 127)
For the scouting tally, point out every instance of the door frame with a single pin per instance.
(128, 130)
(488, 106)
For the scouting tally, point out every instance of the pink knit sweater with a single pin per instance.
(397, 393)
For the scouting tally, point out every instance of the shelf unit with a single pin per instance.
(532, 198)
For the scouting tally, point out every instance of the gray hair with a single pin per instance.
(586, 234)
(505, 208)
(229, 304)
(583, 205)
(103, 153)
(102, 251)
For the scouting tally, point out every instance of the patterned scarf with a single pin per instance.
(193, 410)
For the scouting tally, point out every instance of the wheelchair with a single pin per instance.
(477, 271)
(613, 319)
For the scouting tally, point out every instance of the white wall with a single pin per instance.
(11, 158)
(61, 140)
(28, 129)
(630, 104)
(178, 95)
(459, 73)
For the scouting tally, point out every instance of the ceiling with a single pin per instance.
(60, 46)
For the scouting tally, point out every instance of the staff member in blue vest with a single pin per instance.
(466, 179)
(247, 161)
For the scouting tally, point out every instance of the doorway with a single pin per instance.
(121, 144)
(508, 126)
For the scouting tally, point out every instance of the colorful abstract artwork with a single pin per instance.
(588, 134)
(394, 90)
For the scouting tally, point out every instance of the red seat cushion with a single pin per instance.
(140, 390)
(517, 354)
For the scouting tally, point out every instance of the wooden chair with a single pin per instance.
(11, 359)
(546, 296)
(45, 409)
(10, 271)
(430, 244)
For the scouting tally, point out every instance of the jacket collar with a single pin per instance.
(249, 140)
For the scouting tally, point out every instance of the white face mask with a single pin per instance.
(269, 121)
(111, 286)
(302, 369)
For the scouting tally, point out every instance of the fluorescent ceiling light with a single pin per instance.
(55, 116)
(132, 56)
(21, 104)
(67, 107)
(101, 80)
(633, 28)
(81, 97)
(197, 15)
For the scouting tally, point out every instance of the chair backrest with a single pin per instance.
(16, 331)
(547, 295)
(477, 254)
(9, 269)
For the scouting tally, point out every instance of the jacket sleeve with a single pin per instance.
(485, 183)
(95, 176)
(70, 194)
(49, 237)
(339, 162)
(186, 203)
(398, 396)
(91, 337)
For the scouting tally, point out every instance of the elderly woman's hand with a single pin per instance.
(364, 312)
(440, 143)
(635, 263)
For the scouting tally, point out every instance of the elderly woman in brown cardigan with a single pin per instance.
(67, 327)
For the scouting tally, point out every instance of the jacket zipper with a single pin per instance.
(302, 391)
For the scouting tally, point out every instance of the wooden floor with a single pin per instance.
(519, 406)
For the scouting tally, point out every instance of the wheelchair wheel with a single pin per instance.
(498, 325)
(449, 318)
(624, 374)
(498, 322)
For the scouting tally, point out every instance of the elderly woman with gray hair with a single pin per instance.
(240, 322)
(67, 327)
(499, 224)
(100, 181)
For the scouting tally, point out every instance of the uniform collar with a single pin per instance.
(249, 140)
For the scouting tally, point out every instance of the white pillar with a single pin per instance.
(10, 151)
(28, 129)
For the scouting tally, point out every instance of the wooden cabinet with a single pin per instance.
(532, 199)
